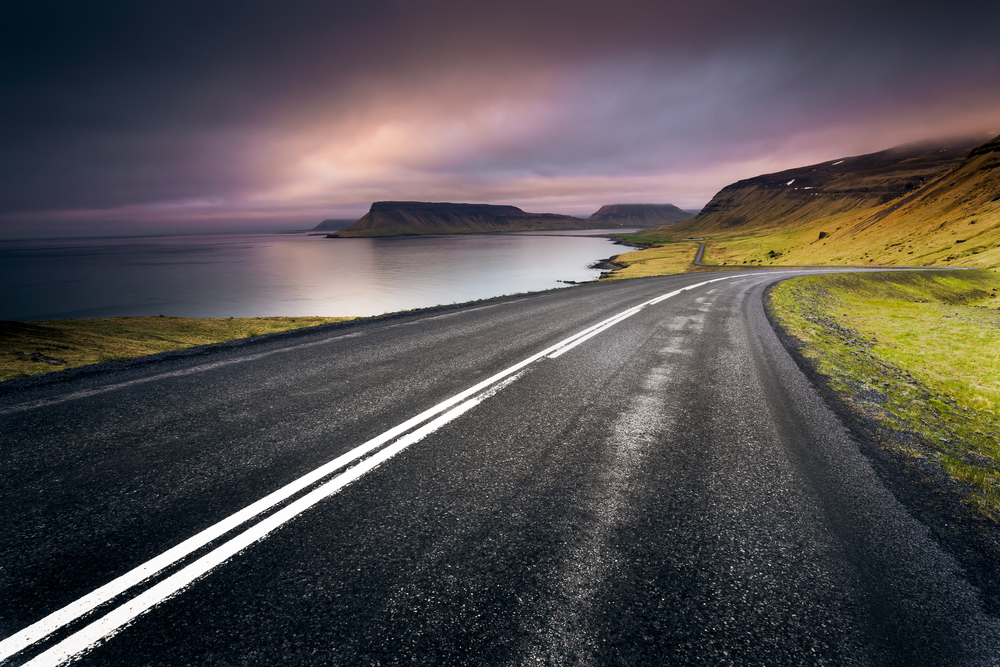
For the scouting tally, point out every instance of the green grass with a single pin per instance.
(919, 353)
(82, 342)
(666, 259)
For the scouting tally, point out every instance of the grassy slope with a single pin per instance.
(82, 342)
(920, 354)
(923, 211)
(667, 258)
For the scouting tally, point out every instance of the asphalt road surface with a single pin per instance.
(483, 485)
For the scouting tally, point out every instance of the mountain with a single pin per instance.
(799, 195)
(638, 215)
(405, 218)
(333, 225)
(911, 205)
(953, 219)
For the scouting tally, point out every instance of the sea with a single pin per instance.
(291, 274)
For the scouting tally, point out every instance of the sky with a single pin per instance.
(142, 118)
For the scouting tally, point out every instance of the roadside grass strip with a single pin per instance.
(405, 434)
(920, 354)
(31, 348)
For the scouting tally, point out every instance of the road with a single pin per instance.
(473, 486)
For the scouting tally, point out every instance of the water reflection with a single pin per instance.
(254, 275)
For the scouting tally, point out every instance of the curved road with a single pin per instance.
(612, 474)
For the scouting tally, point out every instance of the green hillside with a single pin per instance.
(918, 205)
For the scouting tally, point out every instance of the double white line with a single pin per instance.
(409, 432)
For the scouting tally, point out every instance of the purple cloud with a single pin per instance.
(215, 115)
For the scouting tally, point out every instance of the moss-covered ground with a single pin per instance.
(919, 353)
(29, 348)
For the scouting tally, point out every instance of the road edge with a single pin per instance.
(923, 489)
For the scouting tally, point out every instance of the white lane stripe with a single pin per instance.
(581, 339)
(74, 610)
(607, 324)
(110, 624)
(62, 617)
(57, 619)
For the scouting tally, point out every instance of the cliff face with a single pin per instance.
(798, 196)
(406, 218)
(639, 215)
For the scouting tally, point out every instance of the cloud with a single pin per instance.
(238, 111)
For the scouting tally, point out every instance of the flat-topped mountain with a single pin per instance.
(406, 218)
(639, 215)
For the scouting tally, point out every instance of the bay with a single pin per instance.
(257, 275)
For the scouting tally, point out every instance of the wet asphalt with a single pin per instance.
(670, 491)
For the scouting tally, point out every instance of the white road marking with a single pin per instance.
(113, 621)
(607, 325)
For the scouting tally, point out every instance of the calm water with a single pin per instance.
(253, 275)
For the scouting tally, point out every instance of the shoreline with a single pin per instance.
(286, 274)
(62, 374)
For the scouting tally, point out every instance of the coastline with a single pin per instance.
(60, 374)
(251, 275)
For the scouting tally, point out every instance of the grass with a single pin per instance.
(917, 352)
(969, 241)
(951, 219)
(29, 348)
(671, 257)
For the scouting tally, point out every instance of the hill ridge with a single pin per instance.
(828, 188)
(926, 204)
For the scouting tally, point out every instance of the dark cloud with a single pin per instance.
(245, 108)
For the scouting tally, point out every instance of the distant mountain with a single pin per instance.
(406, 218)
(639, 215)
(333, 225)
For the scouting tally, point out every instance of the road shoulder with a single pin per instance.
(923, 489)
